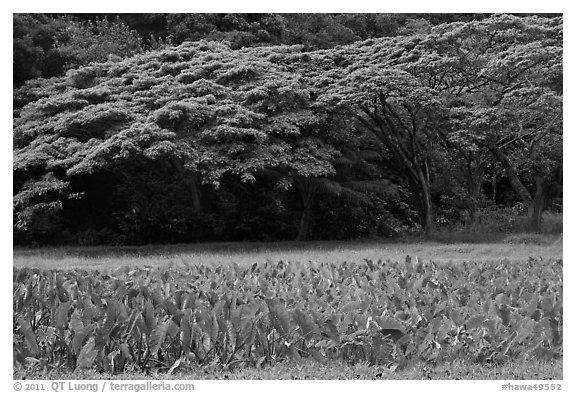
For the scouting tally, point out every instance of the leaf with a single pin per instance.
(215, 328)
(76, 324)
(330, 330)
(279, 317)
(231, 334)
(61, 315)
(87, 355)
(158, 336)
(149, 319)
(388, 323)
(29, 336)
(186, 330)
(547, 305)
(501, 299)
(80, 337)
(351, 306)
(174, 366)
(316, 355)
(102, 335)
(309, 329)
(474, 322)
(260, 361)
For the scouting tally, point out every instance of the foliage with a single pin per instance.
(34, 56)
(386, 313)
(97, 41)
(202, 107)
(431, 110)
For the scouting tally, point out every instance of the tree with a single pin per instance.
(456, 85)
(402, 114)
(207, 110)
(501, 78)
(88, 42)
(34, 55)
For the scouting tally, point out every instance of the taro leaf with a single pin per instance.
(425, 344)
(80, 338)
(556, 336)
(329, 330)
(279, 316)
(547, 305)
(260, 361)
(365, 305)
(419, 283)
(174, 366)
(389, 327)
(351, 306)
(525, 328)
(61, 315)
(186, 330)
(29, 336)
(293, 352)
(409, 266)
(170, 307)
(492, 325)
(435, 325)
(388, 323)
(231, 334)
(149, 319)
(504, 312)
(76, 324)
(474, 322)
(90, 311)
(316, 355)
(206, 342)
(109, 361)
(158, 336)
(501, 299)
(173, 329)
(309, 329)
(444, 329)
(507, 343)
(115, 315)
(125, 350)
(87, 355)
(215, 327)
(536, 315)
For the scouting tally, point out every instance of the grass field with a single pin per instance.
(513, 248)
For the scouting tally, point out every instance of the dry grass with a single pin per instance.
(515, 249)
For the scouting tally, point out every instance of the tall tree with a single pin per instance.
(402, 114)
(205, 109)
(456, 84)
(502, 79)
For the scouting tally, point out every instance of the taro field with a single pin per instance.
(379, 312)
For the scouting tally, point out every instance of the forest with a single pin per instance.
(134, 129)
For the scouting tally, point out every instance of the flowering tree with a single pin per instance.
(205, 109)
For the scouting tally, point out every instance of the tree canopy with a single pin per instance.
(184, 138)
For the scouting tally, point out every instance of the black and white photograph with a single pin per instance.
(367, 196)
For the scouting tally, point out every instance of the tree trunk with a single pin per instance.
(535, 204)
(494, 178)
(196, 197)
(475, 180)
(427, 207)
(304, 224)
(474, 213)
(428, 215)
(307, 192)
(536, 208)
(191, 181)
